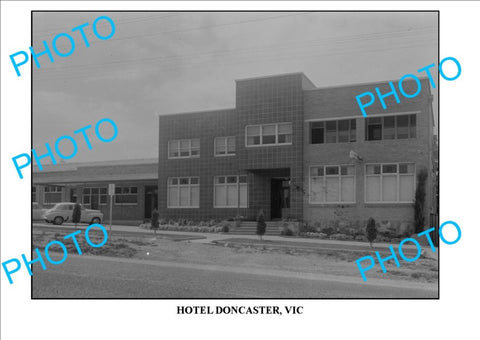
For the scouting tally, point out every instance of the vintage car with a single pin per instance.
(62, 212)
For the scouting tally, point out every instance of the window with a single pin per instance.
(94, 196)
(224, 146)
(34, 194)
(333, 131)
(184, 148)
(228, 190)
(390, 183)
(269, 134)
(183, 192)
(125, 195)
(52, 194)
(332, 184)
(391, 127)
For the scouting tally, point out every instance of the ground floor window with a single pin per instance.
(332, 184)
(183, 192)
(393, 182)
(95, 196)
(126, 195)
(229, 191)
(52, 194)
(34, 194)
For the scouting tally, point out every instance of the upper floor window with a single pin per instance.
(34, 194)
(333, 131)
(391, 127)
(225, 146)
(269, 134)
(126, 195)
(184, 148)
(390, 183)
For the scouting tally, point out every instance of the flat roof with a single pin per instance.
(75, 166)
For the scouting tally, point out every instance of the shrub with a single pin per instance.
(261, 225)
(419, 206)
(225, 228)
(327, 230)
(371, 230)
(305, 227)
(338, 237)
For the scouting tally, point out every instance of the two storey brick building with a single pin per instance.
(287, 148)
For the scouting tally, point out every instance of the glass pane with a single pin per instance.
(347, 170)
(103, 191)
(373, 189)
(317, 191)
(220, 195)
(316, 133)
(173, 145)
(232, 179)
(221, 179)
(243, 179)
(413, 126)
(195, 196)
(86, 191)
(86, 199)
(331, 170)
(402, 127)
(389, 188)
(184, 196)
(253, 130)
(232, 196)
(348, 189)
(373, 169)
(406, 188)
(194, 180)
(133, 190)
(103, 199)
(173, 197)
(172, 181)
(268, 130)
(253, 140)
(231, 145)
(243, 195)
(388, 127)
(389, 169)
(343, 131)
(118, 190)
(95, 191)
(195, 143)
(184, 181)
(332, 189)
(331, 132)
(353, 130)
(220, 145)
(125, 190)
(314, 171)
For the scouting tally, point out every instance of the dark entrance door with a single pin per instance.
(151, 199)
(276, 198)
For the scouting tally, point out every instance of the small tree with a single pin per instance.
(371, 231)
(155, 217)
(261, 225)
(419, 207)
(76, 213)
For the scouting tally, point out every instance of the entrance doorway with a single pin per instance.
(151, 200)
(279, 197)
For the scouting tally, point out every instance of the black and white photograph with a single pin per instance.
(238, 169)
(228, 155)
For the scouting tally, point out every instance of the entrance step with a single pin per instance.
(250, 228)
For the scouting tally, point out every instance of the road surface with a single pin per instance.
(89, 276)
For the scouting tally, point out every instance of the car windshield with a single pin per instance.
(61, 206)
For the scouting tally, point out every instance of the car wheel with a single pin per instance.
(95, 220)
(58, 220)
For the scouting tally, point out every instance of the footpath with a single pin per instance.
(253, 240)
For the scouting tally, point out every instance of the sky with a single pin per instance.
(173, 62)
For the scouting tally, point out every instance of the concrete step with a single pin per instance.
(250, 228)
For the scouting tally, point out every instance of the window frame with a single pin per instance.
(238, 185)
(179, 141)
(339, 176)
(397, 174)
(412, 133)
(99, 194)
(178, 185)
(122, 194)
(337, 130)
(34, 194)
(45, 192)
(226, 154)
(261, 126)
